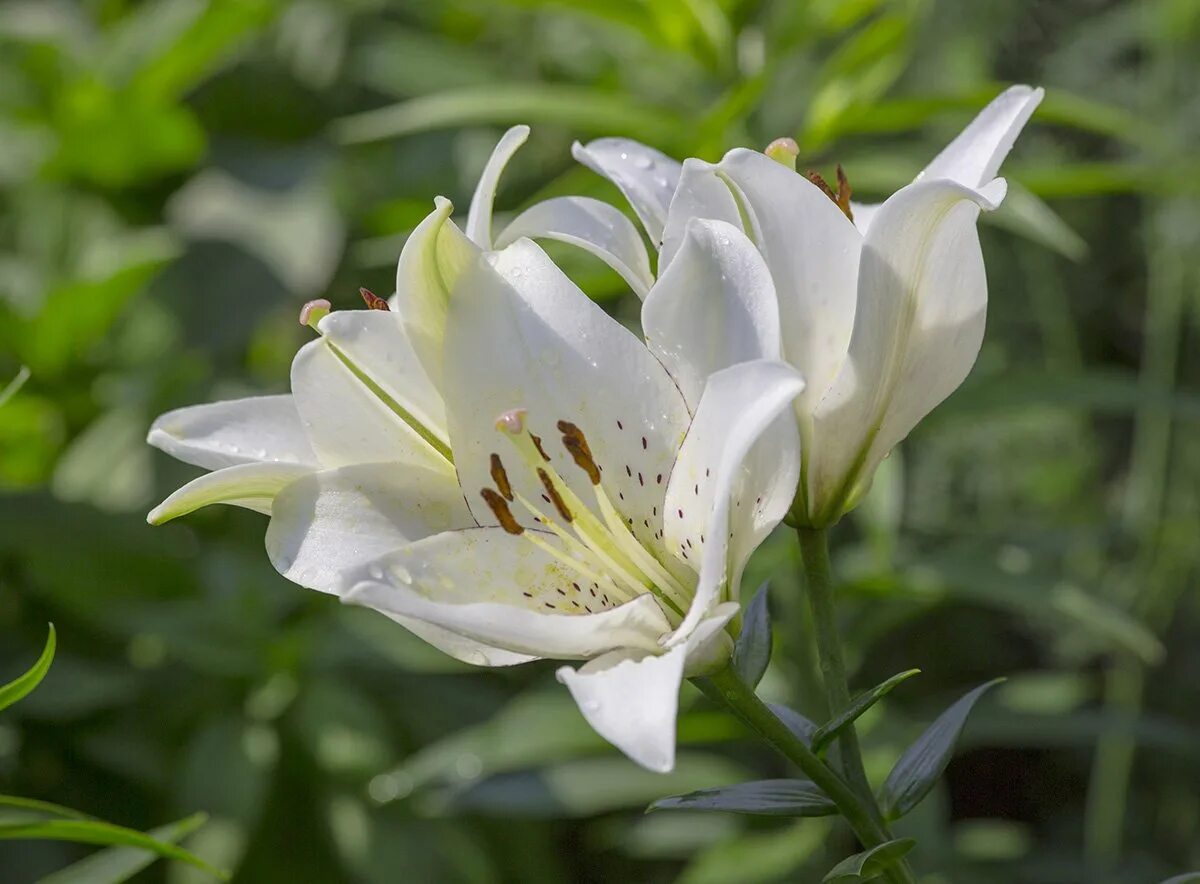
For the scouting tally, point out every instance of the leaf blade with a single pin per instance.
(752, 651)
(925, 760)
(107, 834)
(795, 797)
(827, 732)
(869, 863)
(22, 685)
(119, 863)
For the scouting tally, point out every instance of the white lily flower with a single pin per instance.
(508, 472)
(883, 315)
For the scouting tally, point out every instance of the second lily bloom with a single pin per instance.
(880, 308)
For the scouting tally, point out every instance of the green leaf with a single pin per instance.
(752, 652)
(760, 797)
(96, 832)
(870, 863)
(827, 732)
(13, 387)
(586, 110)
(115, 864)
(1027, 215)
(18, 688)
(795, 722)
(926, 759)
(1189, 878)
(42, 807)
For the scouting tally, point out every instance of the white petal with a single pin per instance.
(479, 217)
(589, 224)
(502, 590)
(377, 342)
(922, 306)
(331, 523)
(975, 155)
(240, 431)
(432, 258)
(713, 307)
(973, 158)
(522, 335)
(864, 214)
(718, 488)
(710, 646)
(631, 699)
(701, 193)
(346, 421)
(644, 175)
(250, 485)
(812, 250)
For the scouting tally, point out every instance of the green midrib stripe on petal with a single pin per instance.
(883, 399)
(427, 435)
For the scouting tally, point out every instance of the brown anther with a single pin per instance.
(576, 444)
(500, 477)
(844, 192)
(537, 443)
(499, 507)
(815, 178)
(555, 497)
(374, 302)
(841, 198)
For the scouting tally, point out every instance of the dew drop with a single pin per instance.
(644, 163)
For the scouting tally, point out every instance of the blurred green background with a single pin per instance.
(177, 177)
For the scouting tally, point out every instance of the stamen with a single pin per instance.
(576, 444)
(555, 497)
(537, 443)
(841, 198)
(500, 477)
(815, 178)
(374, 302)
(616, 552)
(844, 192)
(499, 507)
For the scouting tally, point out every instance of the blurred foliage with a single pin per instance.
(178, 176)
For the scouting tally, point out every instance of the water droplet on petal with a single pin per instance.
(644, 163)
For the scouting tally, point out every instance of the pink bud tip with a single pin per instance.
(312, 312)
(512, 421)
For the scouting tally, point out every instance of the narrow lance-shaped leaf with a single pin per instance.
(1189, 878)
(121, 863)
(96, 832)
(760, 797)
(870, 863)
(827, 732)
(19, 687)
(926, 759)
(14, 386)
(43, 808)
(804, 729)
(752, 652)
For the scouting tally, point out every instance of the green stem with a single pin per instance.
(744, 703)
(814, 551)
